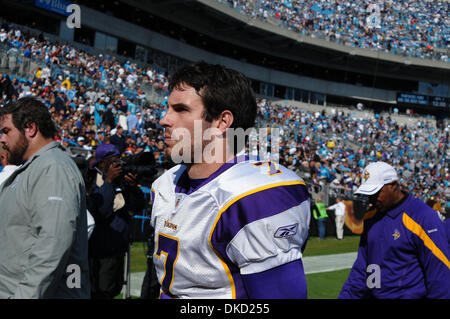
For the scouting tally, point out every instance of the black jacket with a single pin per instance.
(119, 142)
(111, 234)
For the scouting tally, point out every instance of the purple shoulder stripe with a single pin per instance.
(152, 195)
(248, 209)
(257, 206)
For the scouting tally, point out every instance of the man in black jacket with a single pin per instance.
(108, 117)
(6, 86)
(112, 202)
(118, 140)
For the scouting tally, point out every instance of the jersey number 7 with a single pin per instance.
(273, 169)
(167, 246)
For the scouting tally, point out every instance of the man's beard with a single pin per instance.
(15, 155)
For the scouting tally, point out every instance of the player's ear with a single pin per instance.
(224, 121)
(395, 186)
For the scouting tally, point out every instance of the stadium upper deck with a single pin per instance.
(409, 28)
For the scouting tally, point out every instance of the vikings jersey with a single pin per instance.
(246, 218)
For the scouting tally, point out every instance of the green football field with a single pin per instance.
(326, 285)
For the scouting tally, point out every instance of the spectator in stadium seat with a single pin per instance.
(132, 123)
(6, 86)
(119, 140)
(108, 117)
(43, 225)
(404, 251)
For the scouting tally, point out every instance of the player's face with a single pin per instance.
(383, 199)
(106, 163)
(13, 141)
(185, 108)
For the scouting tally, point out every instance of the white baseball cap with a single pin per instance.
(375, 176)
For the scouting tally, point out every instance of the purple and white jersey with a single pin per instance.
(246, 218)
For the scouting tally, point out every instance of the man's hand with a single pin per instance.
(131, 179)
(114, 171)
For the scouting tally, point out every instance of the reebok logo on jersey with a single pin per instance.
(286, 231)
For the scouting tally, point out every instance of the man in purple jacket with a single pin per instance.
(403, 251)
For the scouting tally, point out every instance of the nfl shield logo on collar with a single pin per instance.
(178, 199)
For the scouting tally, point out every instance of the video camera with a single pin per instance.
(143, 165)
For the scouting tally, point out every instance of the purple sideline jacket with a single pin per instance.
(402, 254)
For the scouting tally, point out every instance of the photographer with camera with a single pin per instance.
(113, 200)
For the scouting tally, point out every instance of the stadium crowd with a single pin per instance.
(333, 147)
(73, 69)
(409, 28)
(97, 99)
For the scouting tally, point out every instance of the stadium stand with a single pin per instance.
(408, 28)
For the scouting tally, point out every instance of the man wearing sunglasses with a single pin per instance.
(403, 251)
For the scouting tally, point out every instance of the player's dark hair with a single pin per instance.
(29, 110)
(220, 89)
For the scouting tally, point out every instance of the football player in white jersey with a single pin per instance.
(232, 227)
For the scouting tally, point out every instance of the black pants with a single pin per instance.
(107, 276)
(150, 285)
